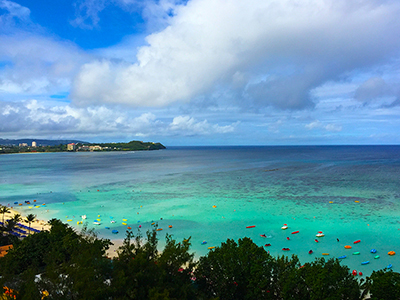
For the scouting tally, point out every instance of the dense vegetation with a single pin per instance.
(130, 146)
(64, 264)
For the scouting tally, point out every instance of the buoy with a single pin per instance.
(140, 226)
(169, 226)
(34, 200)
(288, 238)
(252, 226)
(360, 273)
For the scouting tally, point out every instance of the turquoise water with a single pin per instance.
(350, 193)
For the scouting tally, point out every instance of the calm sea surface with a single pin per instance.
(213, 193)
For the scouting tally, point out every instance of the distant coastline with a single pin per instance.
(78, 146)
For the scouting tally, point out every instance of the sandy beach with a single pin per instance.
(44, 225)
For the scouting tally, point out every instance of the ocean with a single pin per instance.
(210, 194)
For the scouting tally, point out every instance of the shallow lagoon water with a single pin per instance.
(348, 192)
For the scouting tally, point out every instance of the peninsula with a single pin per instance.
(34, 147)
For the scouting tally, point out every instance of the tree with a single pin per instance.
(4, 210)
(240, 270)
(384, 285)
(29, 219)
(141, 272)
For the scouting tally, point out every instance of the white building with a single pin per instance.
(34, 144)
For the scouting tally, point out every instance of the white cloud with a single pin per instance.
(328, 127)
(33, 116)
(209, 42)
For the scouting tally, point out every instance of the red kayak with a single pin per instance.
(267, 245)
(356, 242)
(294, 232)
(285, 249)
(316, 241)
(252, 226)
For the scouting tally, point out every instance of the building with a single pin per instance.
(71, 147)
(34, 144)
(23, 145)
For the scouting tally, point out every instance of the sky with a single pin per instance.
(201, 72)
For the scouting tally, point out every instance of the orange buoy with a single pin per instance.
(170, 226)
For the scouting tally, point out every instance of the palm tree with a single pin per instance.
(29, 219)
(13, 222)
(4, 210)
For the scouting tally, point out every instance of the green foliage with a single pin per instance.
(141, 272)
(236, 271)
(385, 285)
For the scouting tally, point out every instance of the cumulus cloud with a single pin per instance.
(31, 117)
(279, 45)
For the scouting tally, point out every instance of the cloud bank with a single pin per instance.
(281, 50)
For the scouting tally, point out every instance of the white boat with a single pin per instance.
(84, 217)
(112, 221)
(320, 234)
(96, 223)
(284, 227)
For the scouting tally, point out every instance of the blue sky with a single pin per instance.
(201, 72)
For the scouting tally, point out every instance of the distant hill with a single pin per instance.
(39, 142)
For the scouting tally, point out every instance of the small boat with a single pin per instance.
(389, 266)
(365, 262)
(252, 226)
(107, 227)
(123, 223)
(354, 272)
(124, 220)
(325, 253)
(356, 253)
(158, 229)
(342, 257)
(115, 231)
(373, 250)
(112, 221)
(129, 227)
(203, 242)
(285, 249)
(211, 247)
(310, 252)
(96, 223)
(284, 227)
(320, 234)
(376, 257)
(356, 242)
(169, 226)
(263, 235)
(83, 217)
(391, 253)
(288, 238)
(267, 245)
(316, 241)
(294, 232)
(347, 247)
